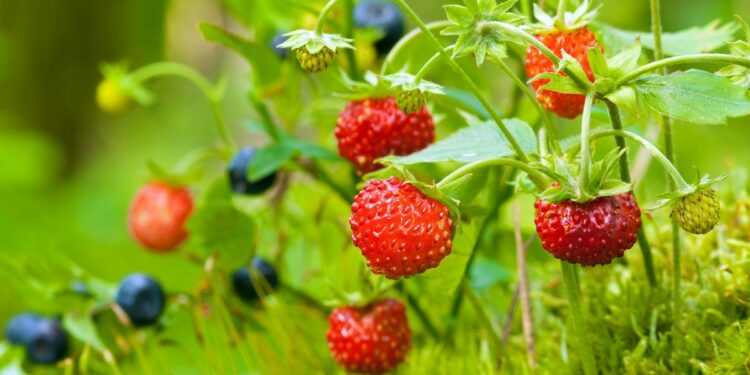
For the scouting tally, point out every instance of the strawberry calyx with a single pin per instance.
(314, 42)
(562, 22)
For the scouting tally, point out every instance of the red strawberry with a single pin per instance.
(576, 43)
(373, 128)
(158, 214)
(371, 340)
(400, 231)
(589, 233)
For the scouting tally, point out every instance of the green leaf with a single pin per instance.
(465, 101)
(440, 283)
(268, 160)
(11, 359)
(694, 96)
(232, 41)
(558, 83)
(311, 150)
(486, 272)
(476, 142)
(217, 225)
(625, 61)
(82, 327)
(689, 41)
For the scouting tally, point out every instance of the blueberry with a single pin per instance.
(237, 171)
(384, 16)
(142, 299)
(279, 38)
(243, 284)
(45, 340)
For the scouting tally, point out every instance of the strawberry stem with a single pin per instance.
(585, 169)
(537, 177)
(548, 125)
(561, 7)
(209, 91)
(394, 52)
(579, 322)
(323, 15)
(614, 115)
(708, 58)
(474, 88)
(426, 67)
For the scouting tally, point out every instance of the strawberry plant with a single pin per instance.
(455, 198)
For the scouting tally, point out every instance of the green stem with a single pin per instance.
(526, 9)
(474, 88)
(713, 58)
(421, 314)
(658, 155)
(670, 154)
(585, 169)
(561, 7)
(427, 66)
(347, 7)
(546, 120)
(322, 17)
(579, 322)
(174, 69)
(406, 39)
(616, 119)
(581, 82)
(538, 178)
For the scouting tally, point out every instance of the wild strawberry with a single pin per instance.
(589, 233)
(158, 214)
(400, 231)
(411, 101)
(574, 42)
(315, 62)
(371, 340)
(698, 212)
(373, 128)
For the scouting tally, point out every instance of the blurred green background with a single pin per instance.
(67, 171)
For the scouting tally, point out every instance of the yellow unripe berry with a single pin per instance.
(110, 97)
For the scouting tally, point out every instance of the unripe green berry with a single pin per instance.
(315, 62)
(698, 212)
(411, 101)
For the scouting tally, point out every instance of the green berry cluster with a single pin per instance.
(411, 101)
(315, 62)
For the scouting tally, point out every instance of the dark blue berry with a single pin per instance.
(384, 16)
(142, 299)
(237, 171)
(279, 38)
(44, 339)
(243, 284)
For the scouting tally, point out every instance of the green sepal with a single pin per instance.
(559, 82)
(580, 17)
(313, 42)
(119, 74)
(408, 82)
(671, 198)
(739, 75)
(465, 24)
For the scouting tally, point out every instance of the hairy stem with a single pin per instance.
(174, 69)
(580, 331)
(546, 120)
(323, 15)
(616, 119)
(538, 178)
(461, 72)
(711, 58)
(585, 169)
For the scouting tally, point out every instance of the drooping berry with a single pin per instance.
(247, 284)
(158, 214)
(141, 298)
(400, 231)
(591, 233)
(697, 213)
(44, 339)
(411, 101)
(237, 172)
(315, 62)
(574, 42)
(373, 128)
(110, 97)
(384, 16)
(370, 340)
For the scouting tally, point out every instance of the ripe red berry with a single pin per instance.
(158, 214)
(588, 233)
(373, 128)
(574, 42)
(400, 231)
(370, 340)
